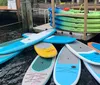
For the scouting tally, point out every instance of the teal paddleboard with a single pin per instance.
(67, 68)
(39, 71)
(6, 57)
(59, 39)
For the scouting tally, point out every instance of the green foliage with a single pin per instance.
(3, 2)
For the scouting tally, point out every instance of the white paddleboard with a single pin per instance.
(39, 71)
(84, 52)
(94, 70)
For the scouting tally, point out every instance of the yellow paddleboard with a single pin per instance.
(46, 50)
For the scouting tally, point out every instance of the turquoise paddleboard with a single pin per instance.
(84, 52)
(39, 71)
(94, 70)
(59, 39)
(67, 68)
(6, 57)
(55, 39)
(22, 43)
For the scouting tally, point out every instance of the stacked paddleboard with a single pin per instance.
(41, 68)
(65, 66)
(25, 42)
(68, 65)
(6, 57)
(76, 24)
(14, 47)
(89, 55)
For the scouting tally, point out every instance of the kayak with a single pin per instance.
(91, 14)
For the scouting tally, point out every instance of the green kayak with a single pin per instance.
(77, 25)
(76, 29)
(91, 14)
(77, 20)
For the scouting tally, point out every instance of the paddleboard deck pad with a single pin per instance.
(94, 70)
(39, 71)
(67, 68)
(46, 50)
(95, 46)
(25, 42)
(84, 52)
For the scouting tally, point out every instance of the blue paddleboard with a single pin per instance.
(67, 68)
(54, 38)
(59, 39)
(6, 57)
(84, 52)
(94, 70)
(25, 42)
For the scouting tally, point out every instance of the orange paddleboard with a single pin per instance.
(95, 46)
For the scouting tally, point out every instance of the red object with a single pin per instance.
(66, 9)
